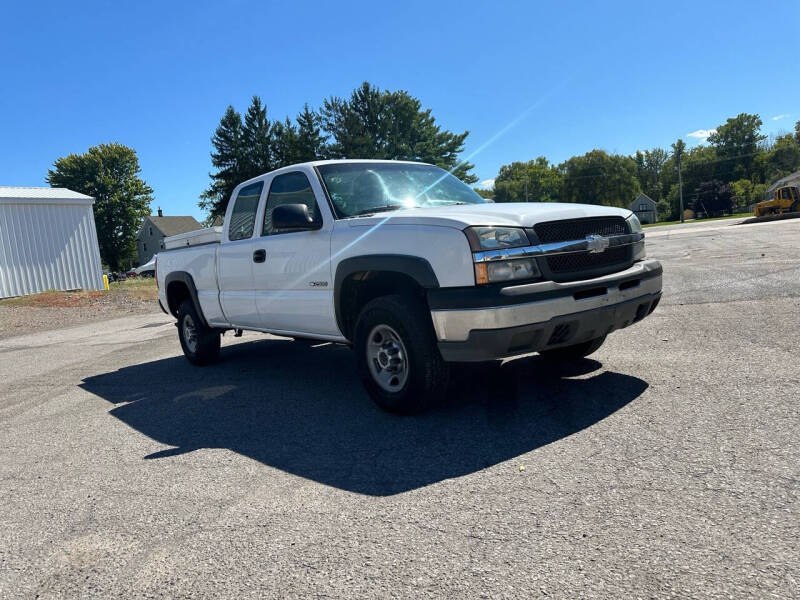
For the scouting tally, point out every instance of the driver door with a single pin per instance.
(293, 285)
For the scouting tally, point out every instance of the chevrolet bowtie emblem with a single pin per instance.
(596, 243)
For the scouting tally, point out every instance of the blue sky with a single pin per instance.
(555, 78)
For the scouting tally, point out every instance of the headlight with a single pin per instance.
(483, 239)
(634, 224)
(506, 270)
(638, 247)
(495, 238)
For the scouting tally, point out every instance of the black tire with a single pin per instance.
(204, 348)
(574, 352)
(423, 377)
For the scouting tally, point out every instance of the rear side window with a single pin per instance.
(290, 188)
(243, 215)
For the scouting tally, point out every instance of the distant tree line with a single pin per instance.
(729, 173)
(371, 123)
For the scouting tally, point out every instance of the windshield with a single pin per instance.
(366, 188)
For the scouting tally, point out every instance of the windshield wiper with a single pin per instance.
(376, 209)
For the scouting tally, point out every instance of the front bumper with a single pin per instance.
(479, 324)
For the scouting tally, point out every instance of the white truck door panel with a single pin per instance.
(237, 296)
(293, 286)
(294, 291)
(235, 263)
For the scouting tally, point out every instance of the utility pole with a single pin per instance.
(678, 148)
(680, 185)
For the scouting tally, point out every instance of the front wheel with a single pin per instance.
(574, 352)
(200, 343)
(396, 354)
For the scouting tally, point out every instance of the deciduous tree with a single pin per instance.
(712, 198)
(600, 178)
(542, 180)
(109, 173)
(649, 168)
(736, 142)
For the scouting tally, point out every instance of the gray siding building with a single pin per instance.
(48, 241)
(645, 208)
(150, 240)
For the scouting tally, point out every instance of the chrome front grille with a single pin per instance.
(577, 229)
(565, 263)
(575, 265)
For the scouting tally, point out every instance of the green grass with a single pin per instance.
(733, 216)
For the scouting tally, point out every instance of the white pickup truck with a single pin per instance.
(410, 267)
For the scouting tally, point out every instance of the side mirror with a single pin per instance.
(292, 216)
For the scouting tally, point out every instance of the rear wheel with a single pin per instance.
(396, 354)
(200, 343)
(574, 352)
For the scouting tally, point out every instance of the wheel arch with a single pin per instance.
(179, 286)
(361, 278)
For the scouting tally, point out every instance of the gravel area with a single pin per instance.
(59, 310)
(21, 320)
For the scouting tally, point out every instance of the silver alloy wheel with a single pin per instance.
(387, 358)
(190, 333)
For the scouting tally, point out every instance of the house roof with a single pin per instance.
(42, 195)
(789, 179)
(174, 224)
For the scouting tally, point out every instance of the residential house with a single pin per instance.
(793, 179)
(150, 239)
(645, 208)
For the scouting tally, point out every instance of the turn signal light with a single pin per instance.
(481, 276)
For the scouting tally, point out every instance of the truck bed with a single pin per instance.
(210, 235)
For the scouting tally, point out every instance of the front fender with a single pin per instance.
(418, 268)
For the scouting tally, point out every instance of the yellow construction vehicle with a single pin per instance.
(784, 200)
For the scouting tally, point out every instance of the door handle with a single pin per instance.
(259, 256)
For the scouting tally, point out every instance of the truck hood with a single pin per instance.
(512, 214)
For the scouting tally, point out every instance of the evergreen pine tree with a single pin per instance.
(228, 158)
(310, 142)
(257, 140)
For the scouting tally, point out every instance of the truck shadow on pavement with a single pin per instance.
(301, 409)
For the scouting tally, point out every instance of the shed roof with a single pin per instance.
(41, 195)
(175, 224)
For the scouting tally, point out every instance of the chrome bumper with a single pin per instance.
(549, 300)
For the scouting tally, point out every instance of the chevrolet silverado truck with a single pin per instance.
(411, 268)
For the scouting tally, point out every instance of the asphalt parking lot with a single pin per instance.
(665, 465)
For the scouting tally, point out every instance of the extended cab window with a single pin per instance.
(289, 188)
(243, 216)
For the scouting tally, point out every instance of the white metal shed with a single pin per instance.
(48, 241)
